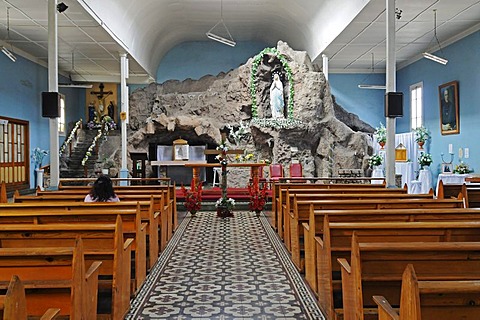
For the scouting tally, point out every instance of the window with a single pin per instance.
(61, 119)
(416, 105)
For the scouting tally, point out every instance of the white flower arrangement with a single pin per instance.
(70, 137)
(381, 133)
(425, 159)
(37, 157)
(375, 160)
(91, 147)
(462, 168)
(224, 202)
(241, 134)
(277, 123)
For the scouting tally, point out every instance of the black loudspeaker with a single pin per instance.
(394, 104)
(50, 104)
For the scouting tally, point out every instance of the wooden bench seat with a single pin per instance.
(53, 278)
(470, 191)
(91, 215)
(278, 198)
(285, 198)
(419, 299)
(157, 235)
(319, 218)
(376, 268)
(301, 212)
(336, 242)
(13, 305)
(101, 242)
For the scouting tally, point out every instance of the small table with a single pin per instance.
(425, 177)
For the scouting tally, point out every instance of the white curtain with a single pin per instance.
(408, 140)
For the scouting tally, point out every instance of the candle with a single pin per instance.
(450, 148)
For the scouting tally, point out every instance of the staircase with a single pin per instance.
(74, 161)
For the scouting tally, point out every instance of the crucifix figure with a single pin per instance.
(101, 96)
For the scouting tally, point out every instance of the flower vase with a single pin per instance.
(257, 212)
(420, 144)
(382, 144)
(224, 212)
(39, 177)
(193, 213)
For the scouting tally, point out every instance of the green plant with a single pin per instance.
(462, 168)
(425, 159)
(422, 134)
(381, 133)
(375, 160)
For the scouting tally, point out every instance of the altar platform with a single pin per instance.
(213, 194)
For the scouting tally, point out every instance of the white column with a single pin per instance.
(53, 87)
(325, 66)
(390, 87)
(124, 110)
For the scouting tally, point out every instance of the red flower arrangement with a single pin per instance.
(193, 197)
(258, 197)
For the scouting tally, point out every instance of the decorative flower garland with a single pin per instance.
(90, 149)
(70, 137)
(253, 78)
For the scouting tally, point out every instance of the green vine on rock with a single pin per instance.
(253, 78)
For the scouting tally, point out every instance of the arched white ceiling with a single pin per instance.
(150, 28)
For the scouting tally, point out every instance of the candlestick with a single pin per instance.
(450, 148)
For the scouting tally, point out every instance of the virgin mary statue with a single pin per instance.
(276, 97)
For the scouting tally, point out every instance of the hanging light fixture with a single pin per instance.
(432, 56)
(372, 86)
(229, 42)
(5, 50)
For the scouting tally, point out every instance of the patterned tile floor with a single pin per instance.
(233, 268)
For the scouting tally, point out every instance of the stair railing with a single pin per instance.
(71, 141)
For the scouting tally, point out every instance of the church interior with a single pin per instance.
(264, 159)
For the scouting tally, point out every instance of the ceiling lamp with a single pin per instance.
(229, 42)
(372, 86)
(432, 56)
(72, 84)
(8, 53)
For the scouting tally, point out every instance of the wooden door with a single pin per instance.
(14, 159)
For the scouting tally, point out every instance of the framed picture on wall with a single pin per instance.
(447, 167)
(449, 108)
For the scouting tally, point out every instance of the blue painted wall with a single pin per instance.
(366, 103)
(197, 59)
(463, 66)
(21, 84)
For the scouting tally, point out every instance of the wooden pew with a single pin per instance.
(288, 210)
(301, 212)
(319, 218)
(171, 200)
(147, 214)
(13, 305)
(460, 306)
(278, 199)
(337, 239)
(132, 226)
(376, 268)
(162, 206)
(101, 242)
(53, 278)
(471, 192)
(286, 193)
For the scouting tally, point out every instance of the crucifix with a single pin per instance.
(101, 96)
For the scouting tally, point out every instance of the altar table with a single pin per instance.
(451, 178)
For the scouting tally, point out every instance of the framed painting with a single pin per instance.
(449, 108)
(447, 167)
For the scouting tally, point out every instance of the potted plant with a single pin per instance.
(381, 135)
(462, 168)
(193, 198)
(258, 198)
(37, 159)
(425, 160)
(375, 160)
(421, 135)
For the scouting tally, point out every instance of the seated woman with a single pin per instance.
(102, 191)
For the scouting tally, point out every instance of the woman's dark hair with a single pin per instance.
(102, 189)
